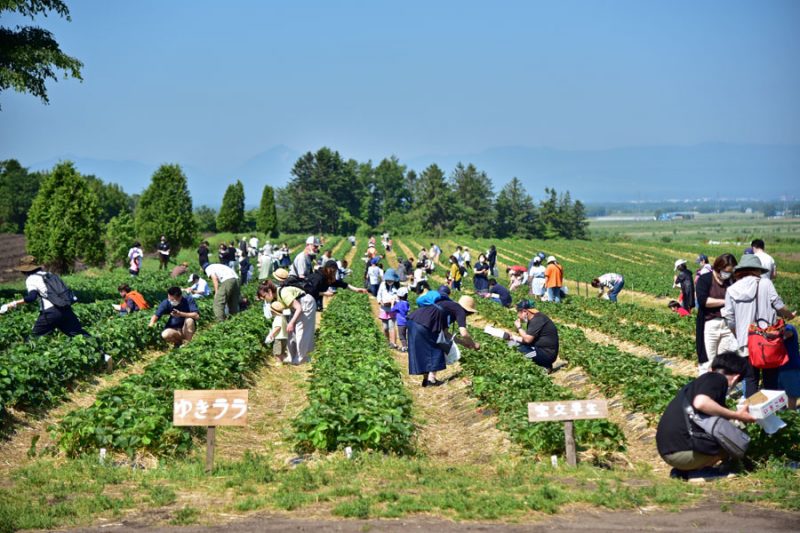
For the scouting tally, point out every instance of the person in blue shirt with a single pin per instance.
(498, 293)
(183, 316)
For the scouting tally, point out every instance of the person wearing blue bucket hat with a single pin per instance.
(387, 297)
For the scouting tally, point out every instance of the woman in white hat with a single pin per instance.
(749, 299)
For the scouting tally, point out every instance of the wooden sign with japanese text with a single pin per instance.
(567, 410)
(210, 408)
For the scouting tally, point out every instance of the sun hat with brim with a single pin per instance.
(468, 303)
(277, 306)
(679, 262)
(749, 261)
(281, 274)
(28, 264)
(402, 292)
(551, 259)
(525, 304)
(391, 275)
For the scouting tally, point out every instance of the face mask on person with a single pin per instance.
(725, 275)
(173, 303)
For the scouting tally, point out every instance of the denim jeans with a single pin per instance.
(612, 295)
(554, 294)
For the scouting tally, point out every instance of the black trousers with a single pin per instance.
(62, 318)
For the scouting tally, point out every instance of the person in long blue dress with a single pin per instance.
(425, 356)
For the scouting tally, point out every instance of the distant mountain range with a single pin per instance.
(619, 174)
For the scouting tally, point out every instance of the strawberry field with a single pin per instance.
(356, 394)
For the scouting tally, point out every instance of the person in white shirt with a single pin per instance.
(135, 255)
(766, 260)
(199, 287)
(610, 282)
(51, 317)
(226, 289)
(374, 278)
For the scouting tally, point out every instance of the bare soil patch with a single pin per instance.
(13, 246)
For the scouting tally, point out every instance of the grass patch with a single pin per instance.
(51, 494)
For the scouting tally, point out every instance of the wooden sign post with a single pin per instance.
(567, 411)
(210, 408)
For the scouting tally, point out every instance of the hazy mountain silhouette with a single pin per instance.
(620, 174)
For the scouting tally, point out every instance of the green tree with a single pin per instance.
(473, 195)
(64, 221)
(111, 199)
(18, 188)
(390, 188)
(579, 221)
(206, 219)
(231, 214)
(433, 210)
(120, 235)
(29, 55)
(322, 188)
(165, 208)
(548, 214)
(267, 221)
(516, 214)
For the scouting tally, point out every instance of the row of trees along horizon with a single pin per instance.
(68, 217)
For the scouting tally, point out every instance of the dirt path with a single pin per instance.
(451, 428)
(277, 395)
(14, 450)
(708, 517)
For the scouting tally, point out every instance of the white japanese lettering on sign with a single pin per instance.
(567, 410)
(210, 408)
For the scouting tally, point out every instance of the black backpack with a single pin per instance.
(57, 291)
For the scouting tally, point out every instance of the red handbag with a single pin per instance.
(765, 344)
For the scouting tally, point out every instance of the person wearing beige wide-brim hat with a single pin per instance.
(425, 355)
(51, 316)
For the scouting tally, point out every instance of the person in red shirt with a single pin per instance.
(675, 306)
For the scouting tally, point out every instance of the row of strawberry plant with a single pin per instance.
(645, 385)
(39, 373)
(356, 395)
(626, 329)
(136, 414)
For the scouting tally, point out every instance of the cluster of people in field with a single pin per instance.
(742, 334)
(730, 298)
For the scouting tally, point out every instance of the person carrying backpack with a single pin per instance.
(55, 301)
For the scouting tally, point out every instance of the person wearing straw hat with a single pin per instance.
(303, 309)
(752, 298)
(538, 341)
(425, 355)
(685, 282)
(51, 316)
(226, 289)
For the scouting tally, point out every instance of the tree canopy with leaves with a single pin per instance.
(30, 55)
(64, 221)
(267, 220)
(165, 208)
(231, 214)
(18, 188)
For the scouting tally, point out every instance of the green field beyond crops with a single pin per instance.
(462, 451)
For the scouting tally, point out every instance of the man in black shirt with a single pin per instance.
(706, 395)
(163, 253)
(202, 253)
(539, 340)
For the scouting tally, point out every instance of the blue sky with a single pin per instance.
(211, 84)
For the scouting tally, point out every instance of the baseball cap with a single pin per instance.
(525, 304)
(701, 258)
(402, 292)
(312, 240)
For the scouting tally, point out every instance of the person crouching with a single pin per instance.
(183, 316)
